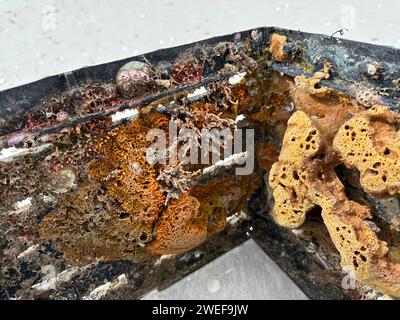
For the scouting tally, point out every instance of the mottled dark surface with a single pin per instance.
(82, 101)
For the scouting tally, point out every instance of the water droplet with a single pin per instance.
(213, 285)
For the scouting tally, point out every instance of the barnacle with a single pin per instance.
(133, 78)
(368, 98)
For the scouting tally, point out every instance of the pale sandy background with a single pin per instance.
(46, 37)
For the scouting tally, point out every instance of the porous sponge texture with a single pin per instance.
(287, 176)
(89, 225)
(200, 213)
(180, 228)
(370, 143)
(138, 220)
(304, 178)
(122, 168)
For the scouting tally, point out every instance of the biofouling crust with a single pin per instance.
(305, 177)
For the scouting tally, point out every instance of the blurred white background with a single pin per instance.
(45, 37)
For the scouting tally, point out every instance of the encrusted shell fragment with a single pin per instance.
(133, 78)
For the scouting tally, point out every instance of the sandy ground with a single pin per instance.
(46, 37)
